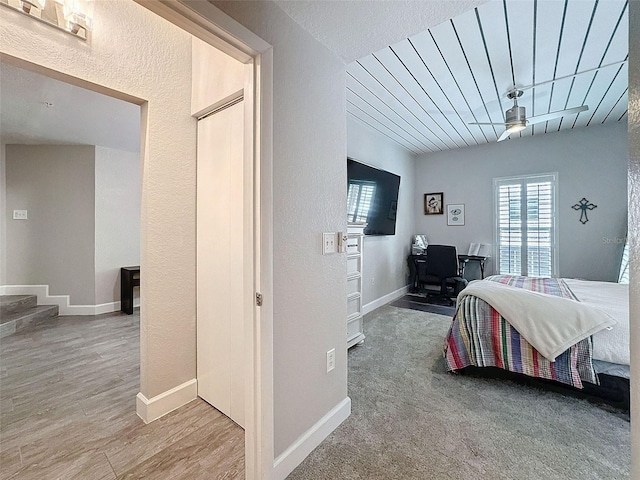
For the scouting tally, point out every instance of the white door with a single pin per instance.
(221, 261)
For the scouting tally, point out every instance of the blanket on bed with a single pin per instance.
(551, 324)
(480, 336)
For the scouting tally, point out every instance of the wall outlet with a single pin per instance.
(19, 214)
(328, 243)
(331, 359)
(373, 281)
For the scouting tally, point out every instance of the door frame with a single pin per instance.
(203, 20)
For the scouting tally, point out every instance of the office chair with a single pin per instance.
(441, 269)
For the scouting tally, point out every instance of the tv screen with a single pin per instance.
(372, 197)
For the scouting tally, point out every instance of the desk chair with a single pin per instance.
(441, 268)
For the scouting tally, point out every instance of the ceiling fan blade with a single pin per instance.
(487, 123)
(572, 75)
(553, 115)
(504, 135)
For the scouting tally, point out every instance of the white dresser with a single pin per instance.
(355, 324)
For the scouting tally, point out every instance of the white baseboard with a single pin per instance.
(152, 409)
(390, 297)
(304, 445)
(62, 301)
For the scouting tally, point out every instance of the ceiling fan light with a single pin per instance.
(517, 127)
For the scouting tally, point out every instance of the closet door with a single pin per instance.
(220, 262)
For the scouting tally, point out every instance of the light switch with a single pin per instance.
(19, 214)
(328, 243)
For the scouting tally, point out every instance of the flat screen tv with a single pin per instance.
(372, 197)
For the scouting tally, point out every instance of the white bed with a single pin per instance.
(610, 346)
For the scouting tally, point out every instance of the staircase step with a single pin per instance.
(14, 303)
(21, 320)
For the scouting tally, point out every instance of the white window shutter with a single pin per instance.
(525, 226)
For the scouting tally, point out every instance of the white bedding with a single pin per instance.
(549, 323)
(613, 298)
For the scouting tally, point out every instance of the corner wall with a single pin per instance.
(310, 194)
(55, 245)
(135, 52)
(384, 268)
(591, 162)
(117, 219)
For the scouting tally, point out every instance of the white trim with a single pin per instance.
(389, 297)
(62, 301)
(304, 445)
(152, 409)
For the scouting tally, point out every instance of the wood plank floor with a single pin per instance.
(67, 410)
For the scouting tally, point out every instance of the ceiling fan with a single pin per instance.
(516, 117)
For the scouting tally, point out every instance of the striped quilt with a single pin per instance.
(479, 336)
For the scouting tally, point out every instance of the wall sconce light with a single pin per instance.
(72, 16)
(27, 5)
(78, 15)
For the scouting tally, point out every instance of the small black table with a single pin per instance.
(129, 278)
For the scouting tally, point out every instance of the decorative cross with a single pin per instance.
(584, 205)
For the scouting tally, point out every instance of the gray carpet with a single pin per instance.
(412, 420)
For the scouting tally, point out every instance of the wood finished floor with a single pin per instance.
(67, 410)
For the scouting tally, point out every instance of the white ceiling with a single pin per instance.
(352, 29)
(425, 90)
(76, 117)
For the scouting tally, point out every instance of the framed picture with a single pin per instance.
(433, 203)
(455, 214)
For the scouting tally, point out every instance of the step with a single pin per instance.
(16, 322)
(14, 303)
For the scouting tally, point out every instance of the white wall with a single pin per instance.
(591, 163)
(634, 230)
(54, 246)
(137, 53)
(384, 269)
(83, 205)
(309, 188)
(117, 219)
(3, 216)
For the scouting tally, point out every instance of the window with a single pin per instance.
(525, 209)
(359, 198)
(623, 277)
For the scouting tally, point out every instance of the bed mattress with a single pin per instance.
(480, 336)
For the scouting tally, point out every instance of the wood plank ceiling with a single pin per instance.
(424, 91)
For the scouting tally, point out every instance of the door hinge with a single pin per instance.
(258, 299)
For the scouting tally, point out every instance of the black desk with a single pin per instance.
(462, 261)
(129, 278)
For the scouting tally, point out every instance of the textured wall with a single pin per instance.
(117, 218)
(136, 52)
(55, 245)
(385, 266)
(634, 230)
(309, 197)
(3, 217)
(591, 163)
